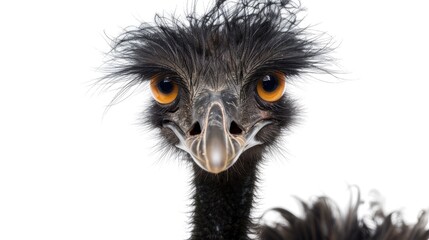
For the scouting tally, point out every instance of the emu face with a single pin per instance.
(218, 115)
(218, 79)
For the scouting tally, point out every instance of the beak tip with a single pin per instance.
(216, 171)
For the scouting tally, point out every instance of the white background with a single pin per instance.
(69, 171)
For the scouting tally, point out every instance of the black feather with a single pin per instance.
(322, 220)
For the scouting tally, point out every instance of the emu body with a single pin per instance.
(206, 75)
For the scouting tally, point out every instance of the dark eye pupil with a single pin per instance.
(166, 86)
(270, 83)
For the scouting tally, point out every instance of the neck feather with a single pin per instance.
(223, 202)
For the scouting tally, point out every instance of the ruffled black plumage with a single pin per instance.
(323, 220)
(240, 38)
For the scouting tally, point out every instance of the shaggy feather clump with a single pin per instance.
(322, 220)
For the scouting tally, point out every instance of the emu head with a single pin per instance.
(218, 80)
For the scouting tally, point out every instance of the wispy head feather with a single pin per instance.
(235, 38)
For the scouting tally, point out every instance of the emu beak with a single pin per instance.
(214, 148)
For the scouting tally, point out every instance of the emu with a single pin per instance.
(218, 84)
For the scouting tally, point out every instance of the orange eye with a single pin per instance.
(164, 90)
(271, 87)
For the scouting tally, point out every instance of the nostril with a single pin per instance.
(195, 129)
(234, 128)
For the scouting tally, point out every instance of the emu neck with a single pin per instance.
(223, 202)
